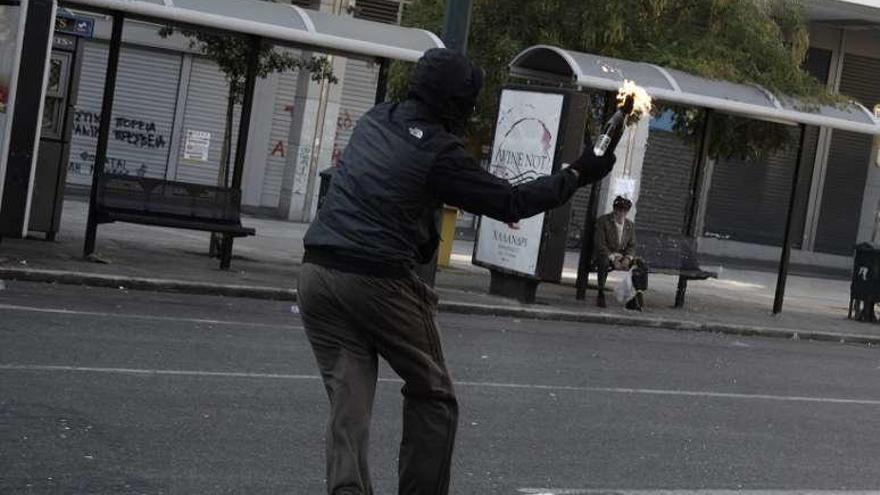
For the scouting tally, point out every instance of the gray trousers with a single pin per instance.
(350, 320)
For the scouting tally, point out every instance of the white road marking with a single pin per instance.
(595, 491)
(31, 309)
(519, 386)
(157, 372)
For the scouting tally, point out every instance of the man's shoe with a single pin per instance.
(600, 300)
(635, 304)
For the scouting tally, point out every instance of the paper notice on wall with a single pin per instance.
(197, 146)
(623, 186)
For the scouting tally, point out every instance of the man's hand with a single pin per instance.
(591, 168)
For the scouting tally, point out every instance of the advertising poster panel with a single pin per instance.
(10, 20)
(524, 149)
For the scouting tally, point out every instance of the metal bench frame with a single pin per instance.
(147, 201)
(673, 254)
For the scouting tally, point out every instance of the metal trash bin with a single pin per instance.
(865, 286)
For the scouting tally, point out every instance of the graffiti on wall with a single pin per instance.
(131, 131)
(344, 123)
(85, 162)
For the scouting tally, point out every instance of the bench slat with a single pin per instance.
(236, 230)
(165, 203)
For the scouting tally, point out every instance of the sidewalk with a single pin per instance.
(267, 266)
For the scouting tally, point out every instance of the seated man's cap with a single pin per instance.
(622, 202)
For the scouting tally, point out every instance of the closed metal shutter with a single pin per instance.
(387, 11)
(278, 141)
(358, 96)
(205, 111)
(143, 112)
(665, 184)
(847, 163)
(748, 200)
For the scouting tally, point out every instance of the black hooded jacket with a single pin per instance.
(403, 162)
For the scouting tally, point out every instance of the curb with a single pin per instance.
(148, 284)
(662, 323)
(279, 294)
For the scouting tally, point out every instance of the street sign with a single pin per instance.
(75, 25)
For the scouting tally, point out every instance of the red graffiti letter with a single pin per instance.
(279, 149)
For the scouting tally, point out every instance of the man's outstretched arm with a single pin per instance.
(458, 180)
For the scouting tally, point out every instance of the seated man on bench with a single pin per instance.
(615, 246)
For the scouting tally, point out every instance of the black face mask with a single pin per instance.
(449, 84)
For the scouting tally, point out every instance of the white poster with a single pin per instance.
(197, 145)
(523, 150)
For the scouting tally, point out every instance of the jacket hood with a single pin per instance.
(449, 84)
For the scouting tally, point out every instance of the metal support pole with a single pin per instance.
(455, 33)
(456, 24)
(247, 108)
(690, 215)
(104, 130)
(244, 127)
(690, 218)
(789, 221)
(382, 82)
(588, 243)
(588, 235)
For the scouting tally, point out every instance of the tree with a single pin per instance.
(231, 53)
(747, 41)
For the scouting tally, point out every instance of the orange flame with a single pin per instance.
(641, 99)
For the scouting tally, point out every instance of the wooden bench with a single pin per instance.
(673, 254)
(182, 205)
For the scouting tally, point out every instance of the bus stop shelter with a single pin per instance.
(556, 66)
(216, 209)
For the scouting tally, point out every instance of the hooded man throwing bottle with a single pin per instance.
(358, 295)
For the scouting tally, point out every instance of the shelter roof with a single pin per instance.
(557, 65)
(282, 23)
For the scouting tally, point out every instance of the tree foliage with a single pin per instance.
(231, 54)
(746, 41)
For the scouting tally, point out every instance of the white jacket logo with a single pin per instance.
(416, 132)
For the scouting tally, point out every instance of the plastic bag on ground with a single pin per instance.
(624, 291)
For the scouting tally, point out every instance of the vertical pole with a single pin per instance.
(104, 130)
(690, 218)
(30, 67)
(455, 34)
(247, 109)
(789, 221)
(244, 127)
(588, 237)
(588, 243)
(456, 24)
(382, 82)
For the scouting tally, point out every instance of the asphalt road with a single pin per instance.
(115, 391)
